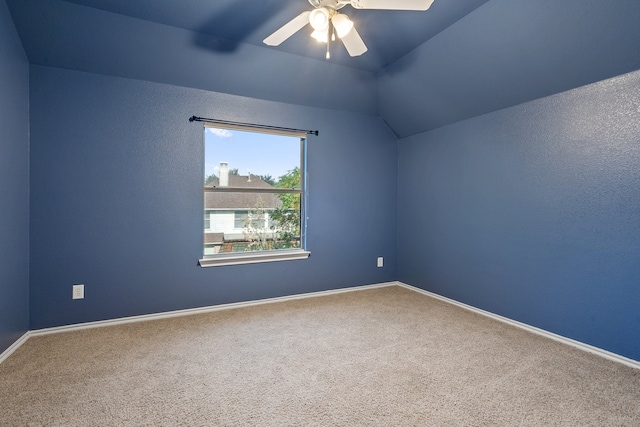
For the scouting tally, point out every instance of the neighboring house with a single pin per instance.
(230, 217)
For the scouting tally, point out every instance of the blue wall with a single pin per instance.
(116, 201)
(533, 213)
(14, 184)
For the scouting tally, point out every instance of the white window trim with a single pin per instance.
(253, 257)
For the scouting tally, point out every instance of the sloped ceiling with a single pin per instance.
(505, 53)
(423, 70)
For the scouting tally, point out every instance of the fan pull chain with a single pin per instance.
(332, 31)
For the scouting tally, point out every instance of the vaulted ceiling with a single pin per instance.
(423, 70)
(389, 34)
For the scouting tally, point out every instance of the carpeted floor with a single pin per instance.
(378, 357)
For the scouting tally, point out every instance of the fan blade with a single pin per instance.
(392, 4)
(354, 44)
(288, 29)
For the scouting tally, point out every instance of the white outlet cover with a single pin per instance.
(380, 261)
(78, 292)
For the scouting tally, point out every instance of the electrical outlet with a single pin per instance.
(78, 292)
(380, 261)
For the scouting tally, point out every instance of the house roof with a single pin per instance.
(241, 200)
(213, 238)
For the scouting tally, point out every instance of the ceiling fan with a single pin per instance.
(327, 22)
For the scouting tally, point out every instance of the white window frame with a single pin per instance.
(235, 258)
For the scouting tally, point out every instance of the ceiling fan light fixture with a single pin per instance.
(342, 24)
(319, 19)
(321, 35)
(327, 22)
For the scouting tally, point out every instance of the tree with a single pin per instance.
(268, 179)
(210, 178)
(255, 231)
(287, 216)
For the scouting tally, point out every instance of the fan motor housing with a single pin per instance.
(330, 4)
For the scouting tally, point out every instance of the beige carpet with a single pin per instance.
(379, 357)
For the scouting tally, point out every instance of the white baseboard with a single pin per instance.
(199, 310)
(559, 338)
(165, 315)
(103, 323)
(13, 347)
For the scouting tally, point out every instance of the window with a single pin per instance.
(254, 195)
(240, 218)
(207, 221)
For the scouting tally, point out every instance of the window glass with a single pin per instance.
(253, 191)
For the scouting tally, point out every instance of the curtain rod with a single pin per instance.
(251, 125)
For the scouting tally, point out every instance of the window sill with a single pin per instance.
(252, 258)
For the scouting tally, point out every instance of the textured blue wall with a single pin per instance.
(14, 184)
(116, 174)
(533, 213)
